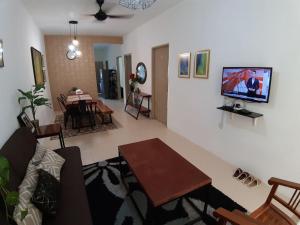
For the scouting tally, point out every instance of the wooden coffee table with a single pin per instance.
(163, 174)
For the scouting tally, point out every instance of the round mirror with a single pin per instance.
(141, 73)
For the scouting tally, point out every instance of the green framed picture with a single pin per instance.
(202, 59)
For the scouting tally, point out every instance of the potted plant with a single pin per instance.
(33, 99)
(9, 198)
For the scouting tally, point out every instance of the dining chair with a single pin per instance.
(85, 109)
(63, 97)
(67, 112)
(268, 213)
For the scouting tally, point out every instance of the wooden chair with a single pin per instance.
(85, 109)
(268, 213)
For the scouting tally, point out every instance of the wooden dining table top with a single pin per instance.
(75, 98)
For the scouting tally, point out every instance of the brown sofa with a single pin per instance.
(73, 204)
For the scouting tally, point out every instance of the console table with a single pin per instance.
(135, 100)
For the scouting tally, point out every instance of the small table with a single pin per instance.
(163, 174)
(138, 106)
(50, 131)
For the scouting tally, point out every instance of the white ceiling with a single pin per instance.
(52, 16)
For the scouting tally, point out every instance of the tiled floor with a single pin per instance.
(99, 146)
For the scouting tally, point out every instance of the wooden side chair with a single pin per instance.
(268, 213)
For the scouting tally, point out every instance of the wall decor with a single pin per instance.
(37, 63)
(1, 54)
(202, 59)
(141, 73)
(184, 65)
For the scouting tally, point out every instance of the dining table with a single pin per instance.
(71, 99)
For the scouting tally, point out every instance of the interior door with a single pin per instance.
(160, 65)
(128, 71)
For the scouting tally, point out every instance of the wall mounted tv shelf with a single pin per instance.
(254, 116)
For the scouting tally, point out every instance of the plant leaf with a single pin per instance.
(4, 171)
(21, 98)
(27, 94)
(41, 101)
(12, 198)
(24, 214)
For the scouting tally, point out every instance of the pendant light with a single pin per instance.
(73, 48)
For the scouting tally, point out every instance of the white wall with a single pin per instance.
(19, 33)
(108, 52)
(239, 33)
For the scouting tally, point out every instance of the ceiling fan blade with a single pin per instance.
(89, 14)
(108, 6)
(120, 16)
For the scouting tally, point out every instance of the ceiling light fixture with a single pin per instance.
(137, 4)
(73, 47)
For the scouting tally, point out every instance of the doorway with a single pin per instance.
(128, 71)
(120, 69)
(160, 67)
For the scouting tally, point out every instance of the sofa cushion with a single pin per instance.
(39, 154)
(73, 207)
(52, 163)
(26, 191)
(19, 149)
(45, 196)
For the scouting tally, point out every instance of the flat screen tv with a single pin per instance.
(247, 83)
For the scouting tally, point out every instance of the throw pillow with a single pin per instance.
(39, 154)
(33, 215)
(46, 193)
(52, 163)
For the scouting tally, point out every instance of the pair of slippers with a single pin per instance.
(246, 178)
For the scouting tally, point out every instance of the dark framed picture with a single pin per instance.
(24, 121)
(1, 54)
(37, 63)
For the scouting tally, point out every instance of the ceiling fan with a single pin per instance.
(101, 14)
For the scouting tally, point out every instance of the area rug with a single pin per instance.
(110, 204)
(86, 129)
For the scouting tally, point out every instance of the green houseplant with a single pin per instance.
(33, 99)
(9, 198)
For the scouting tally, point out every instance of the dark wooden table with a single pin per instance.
(163, 174)
(139, 107)
(49, 131)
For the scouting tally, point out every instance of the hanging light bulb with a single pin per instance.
(74, 50)
(78, 53)
(75, 42)
(71, 47)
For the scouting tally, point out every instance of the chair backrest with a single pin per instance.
(293, 203)
(63, 97)
(61, 105)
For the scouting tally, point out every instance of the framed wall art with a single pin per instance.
(184, 65)
(202, 59)
(37, 63)
(1, 54)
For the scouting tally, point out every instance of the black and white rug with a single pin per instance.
(110, 204)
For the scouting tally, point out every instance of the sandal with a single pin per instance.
(250, 179)
(256, 182)
(237, 173)
(243, 176)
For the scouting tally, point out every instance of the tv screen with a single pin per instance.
(247, 83)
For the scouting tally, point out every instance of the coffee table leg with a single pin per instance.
(206, 200)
